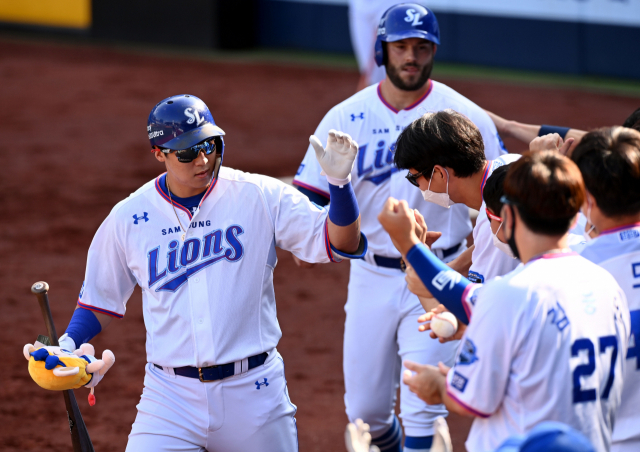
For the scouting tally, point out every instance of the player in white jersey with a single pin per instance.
(444, 154)
(381, 313)
(546, 340)
(609, 160)
(200, 241)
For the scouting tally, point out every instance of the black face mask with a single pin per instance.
(511, 241)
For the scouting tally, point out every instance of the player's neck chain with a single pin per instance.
(184, 231)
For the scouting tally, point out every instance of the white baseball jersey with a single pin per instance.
(546, 343)
(375, 126)
(207, 300)
(618, 251)
(487, 260)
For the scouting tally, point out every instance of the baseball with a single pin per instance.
(444, 325)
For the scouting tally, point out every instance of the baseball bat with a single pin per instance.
(79, 433)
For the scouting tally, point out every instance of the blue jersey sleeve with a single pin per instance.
(445, 284)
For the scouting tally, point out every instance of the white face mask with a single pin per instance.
(441, 199)
(504, 247)
(585, 233)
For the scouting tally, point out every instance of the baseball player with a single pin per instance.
(609, 160)
(200, 241)
(443, 152)
(381, 313)
(546, 340)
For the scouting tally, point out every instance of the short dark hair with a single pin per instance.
(494, 189)
(445, 138)
(547, 190)
(609, 159)
(633, 121)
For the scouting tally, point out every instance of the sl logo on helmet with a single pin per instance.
(413, 16)
(193, 115)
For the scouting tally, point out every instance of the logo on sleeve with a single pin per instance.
(459, 382)
(445, 277)
(144, 217)
(467, 353)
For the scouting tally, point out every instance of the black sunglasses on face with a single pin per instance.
(413, 178)
(192, 153)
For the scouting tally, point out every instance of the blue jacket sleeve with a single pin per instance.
(445, 284)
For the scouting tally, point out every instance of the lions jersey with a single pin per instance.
(548, 344)
(618, 251)
(487, 261)
(207, 299)
(375, 125)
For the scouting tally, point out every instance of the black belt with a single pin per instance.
(214, 373)
(398, 263)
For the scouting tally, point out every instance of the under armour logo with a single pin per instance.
(143, 217)
(353, 117)
(258, 384)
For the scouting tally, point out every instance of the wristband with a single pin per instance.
(83, 327)
(444, 283)
(339, 182)
(343, 207)
(545, 130)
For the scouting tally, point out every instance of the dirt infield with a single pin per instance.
(72, 128)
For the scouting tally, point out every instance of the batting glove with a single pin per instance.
(338, 158)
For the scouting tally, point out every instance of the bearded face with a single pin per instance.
(409, 63)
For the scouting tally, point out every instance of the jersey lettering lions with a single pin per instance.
(375, 126)
(209, 299)
(618, 251)
(547, 342)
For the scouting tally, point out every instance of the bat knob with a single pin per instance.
(40, 287)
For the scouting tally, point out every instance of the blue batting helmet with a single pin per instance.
(406, 20)
(548, 436)
(179, 122)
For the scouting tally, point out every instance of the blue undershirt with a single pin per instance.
(191, 203)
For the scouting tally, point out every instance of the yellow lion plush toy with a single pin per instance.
(58, 369)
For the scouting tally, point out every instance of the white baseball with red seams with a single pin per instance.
(444, 325)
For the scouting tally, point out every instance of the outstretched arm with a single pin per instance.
(527, 132)
(446, 285)
(337, 161)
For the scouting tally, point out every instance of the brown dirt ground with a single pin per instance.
(72, 121)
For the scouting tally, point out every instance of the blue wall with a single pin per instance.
(565, 47)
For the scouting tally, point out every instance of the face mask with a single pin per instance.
(504, 247)
(586, 235)
(441, 199)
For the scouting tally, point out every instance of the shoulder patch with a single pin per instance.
(459, 381)
(467, 353)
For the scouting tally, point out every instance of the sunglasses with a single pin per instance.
(413, 178)
(192, 153)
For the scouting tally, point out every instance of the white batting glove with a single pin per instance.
(338, 158)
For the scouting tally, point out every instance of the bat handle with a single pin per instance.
(41, 289)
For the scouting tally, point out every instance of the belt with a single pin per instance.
(214, 373)
(398, 263)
